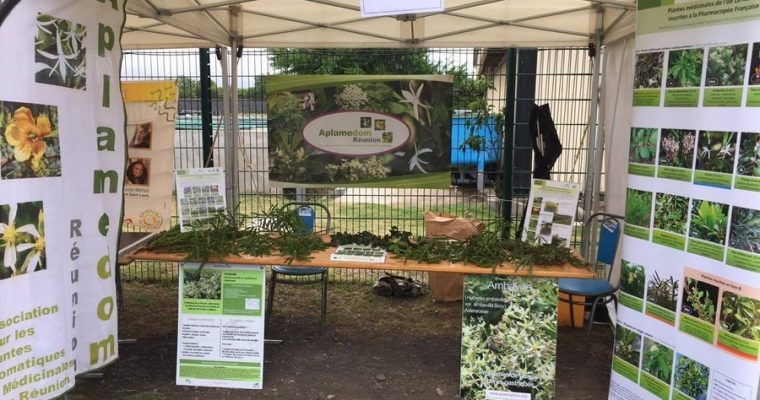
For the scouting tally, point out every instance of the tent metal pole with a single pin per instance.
(228, 137)
(592, 137)
(235, 134)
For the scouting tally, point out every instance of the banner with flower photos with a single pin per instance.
(61, 170)
(151, 111)
(689, 315)
(364, 131)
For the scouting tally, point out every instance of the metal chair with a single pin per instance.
(600, 290)
(295, 275)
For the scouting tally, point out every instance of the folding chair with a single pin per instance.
(295, 275)
(600, 290)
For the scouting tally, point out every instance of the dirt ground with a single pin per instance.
(372, 348)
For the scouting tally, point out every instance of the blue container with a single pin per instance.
(609, 234)
(460, 132)
(307, 217)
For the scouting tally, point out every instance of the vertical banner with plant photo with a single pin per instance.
(151, 112)
(220, 337)
(62, 152)
(689, 315)
(509, 338)
(366, 131)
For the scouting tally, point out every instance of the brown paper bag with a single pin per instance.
(448, 286)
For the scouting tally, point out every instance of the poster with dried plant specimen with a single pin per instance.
(60, 52)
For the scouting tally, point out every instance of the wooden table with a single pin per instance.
(322, 259)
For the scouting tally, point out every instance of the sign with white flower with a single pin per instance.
(62, 150)
(364, 131)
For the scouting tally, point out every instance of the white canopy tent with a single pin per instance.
(232, 24)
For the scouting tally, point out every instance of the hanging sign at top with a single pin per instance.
(376, 8)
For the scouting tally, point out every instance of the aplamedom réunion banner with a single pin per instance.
(689, 315)
(356, 130)
(61, 170)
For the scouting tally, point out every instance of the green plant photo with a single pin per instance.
(745, 230)
(725, 65)
(638, 207)
(700, 299)
(709, 221)
(663, 291)
(740, 315)
(648, 72)
(685, 68)
(627, 345)
(691, 377)
(632, 279)
(716, 151)
(643, 147)
(677, 148)
(749, 155)
(657, 360)
(670, 212)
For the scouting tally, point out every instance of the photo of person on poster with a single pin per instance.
(142, 136)
(137, 171)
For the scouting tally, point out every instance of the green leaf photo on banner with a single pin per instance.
(29, 146)
(355, 130)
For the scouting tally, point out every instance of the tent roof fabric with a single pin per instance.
(159, 24)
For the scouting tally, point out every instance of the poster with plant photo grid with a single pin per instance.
(689, 315)
(200, 196)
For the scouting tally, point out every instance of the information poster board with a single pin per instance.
(509, 338)
(220, 337)
(360, 130)
(551, 211)
(151, 113)
(201, 194)
(62, 153)
(689, 315)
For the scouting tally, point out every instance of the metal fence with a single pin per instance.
(560, 77)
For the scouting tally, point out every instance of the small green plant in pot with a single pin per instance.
(638, 207)
(709, 221)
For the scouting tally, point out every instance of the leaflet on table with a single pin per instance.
(200, 195)
(552, 207)
(506, 355)
(689, 315)
(360, 253)
(220, 337)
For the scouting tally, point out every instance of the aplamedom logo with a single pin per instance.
(356, 133)
(151, 219)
